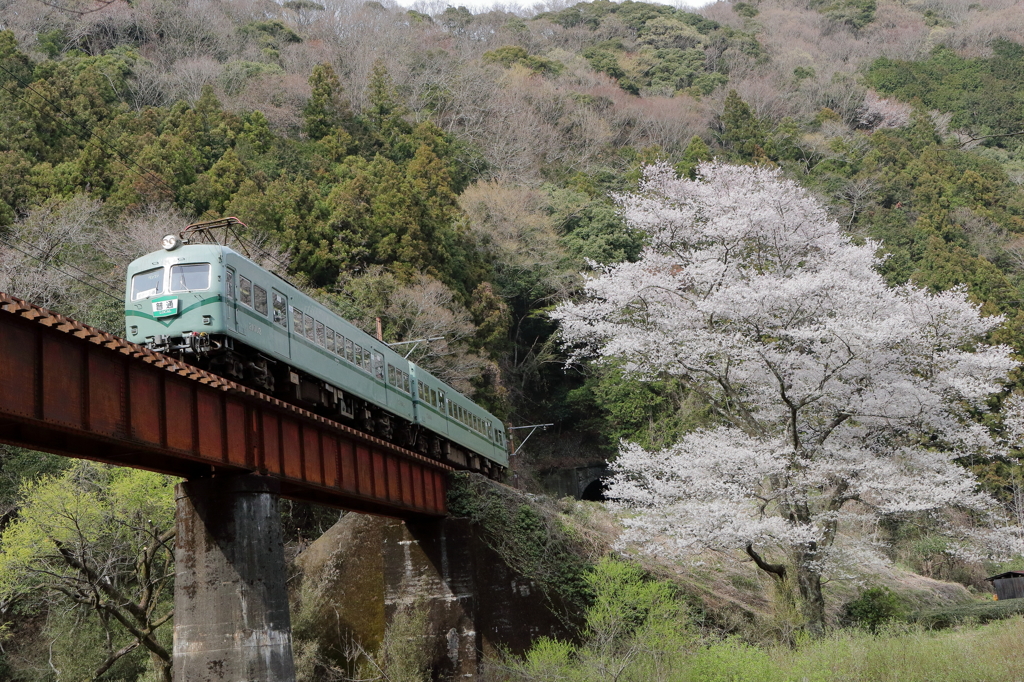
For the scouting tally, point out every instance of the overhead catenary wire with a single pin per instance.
(58, 269)
(25, 242)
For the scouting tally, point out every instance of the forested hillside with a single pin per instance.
(454, 174)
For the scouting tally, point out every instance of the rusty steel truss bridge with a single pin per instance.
(73, 390)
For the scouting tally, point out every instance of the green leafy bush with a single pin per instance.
(875, 607)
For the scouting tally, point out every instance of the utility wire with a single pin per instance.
(63, 272)
(104, 282)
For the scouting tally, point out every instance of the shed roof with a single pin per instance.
(1008, 574)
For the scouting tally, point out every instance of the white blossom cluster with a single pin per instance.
(828, 386)
(878, 112)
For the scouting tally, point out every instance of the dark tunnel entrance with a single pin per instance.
(595, 491)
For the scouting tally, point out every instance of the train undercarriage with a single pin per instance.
(242, 364)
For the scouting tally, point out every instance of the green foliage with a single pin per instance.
(19, 466)
(742, 132)
(673, 46)
(874, 608)
(982, 93)
(745, 9)
(299, 5)
(511, 55)
(854, 13)
(631, 618)
(592, 229)
(530, 540)
(90, 548)
(271, 35)
(653, 414)
(696, 152)
(325, 110)
(978, 612)
(802, 72)
(237, 74)
(405, 654)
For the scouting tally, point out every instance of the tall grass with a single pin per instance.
(987, 653)
(637, 629)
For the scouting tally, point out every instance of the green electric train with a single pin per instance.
(213, 307)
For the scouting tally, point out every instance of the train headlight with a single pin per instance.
(170, 242)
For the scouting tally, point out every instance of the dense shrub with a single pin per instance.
(875, 607)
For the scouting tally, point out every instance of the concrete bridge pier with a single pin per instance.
(231, 618)
(475, 602)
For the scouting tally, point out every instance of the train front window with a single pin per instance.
(190, 277)
(149, 283)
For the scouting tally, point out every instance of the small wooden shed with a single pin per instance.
(1009, 585)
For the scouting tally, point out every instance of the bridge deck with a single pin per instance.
(74, 390)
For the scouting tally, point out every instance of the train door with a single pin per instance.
(229, 295)
(380, 394)
(279, 331)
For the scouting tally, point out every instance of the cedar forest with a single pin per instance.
(491, 178)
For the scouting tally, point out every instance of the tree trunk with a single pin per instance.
(161, 666)
(812, 603)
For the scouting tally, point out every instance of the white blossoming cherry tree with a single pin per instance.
(834, 394)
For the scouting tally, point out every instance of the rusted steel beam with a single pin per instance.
(77, 391)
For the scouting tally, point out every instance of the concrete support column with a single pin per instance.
(231, 620)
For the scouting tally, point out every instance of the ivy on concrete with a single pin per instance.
(530, 537)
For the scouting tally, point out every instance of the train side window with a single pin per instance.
(391, 375)
(378, 366)
(433, 397)
(320, 340)
(307, 321)
(297, 321)
(260, 299)
(440, 401)
(244, 291)
(229, 284)
(349, 353)
(405, 383)
(280, 309)
(330, 339)
(419, 390)
(359, 355)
